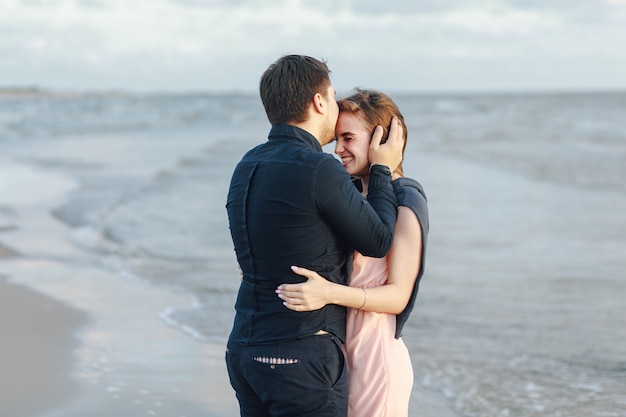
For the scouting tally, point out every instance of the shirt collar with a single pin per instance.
(293, 132)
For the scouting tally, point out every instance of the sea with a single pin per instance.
(522, 307)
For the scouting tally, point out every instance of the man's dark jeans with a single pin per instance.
(305, 377)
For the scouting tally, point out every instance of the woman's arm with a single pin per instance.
(404, 262)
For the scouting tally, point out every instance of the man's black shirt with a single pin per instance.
(289, 203)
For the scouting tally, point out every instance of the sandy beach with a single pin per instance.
(91, 359)
(39, 337)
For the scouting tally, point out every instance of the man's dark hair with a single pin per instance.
(289, 84)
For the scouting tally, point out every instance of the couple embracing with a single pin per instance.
(331, 253)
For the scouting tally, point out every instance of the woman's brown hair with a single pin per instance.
(375, 108)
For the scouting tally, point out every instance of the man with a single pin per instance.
(289, 203)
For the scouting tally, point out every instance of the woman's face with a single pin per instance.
(353, 142)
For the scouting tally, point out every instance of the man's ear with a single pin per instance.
(319, 105)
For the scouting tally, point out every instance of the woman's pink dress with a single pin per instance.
(379, 366)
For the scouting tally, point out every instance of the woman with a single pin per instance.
(382, 291)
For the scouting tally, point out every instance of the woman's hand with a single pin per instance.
(389, 153)
(307, 296)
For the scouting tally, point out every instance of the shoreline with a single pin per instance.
(81, 339)
(80, 344)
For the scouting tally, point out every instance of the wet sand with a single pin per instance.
(37, 350)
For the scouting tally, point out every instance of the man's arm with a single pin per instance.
(391, 298)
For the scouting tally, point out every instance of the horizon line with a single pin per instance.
(37, 90)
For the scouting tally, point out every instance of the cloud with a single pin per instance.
(208, 44)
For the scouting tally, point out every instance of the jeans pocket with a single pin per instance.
(336, 370)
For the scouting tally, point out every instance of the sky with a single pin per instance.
(395, 46)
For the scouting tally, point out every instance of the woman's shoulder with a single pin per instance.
(409, 192)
